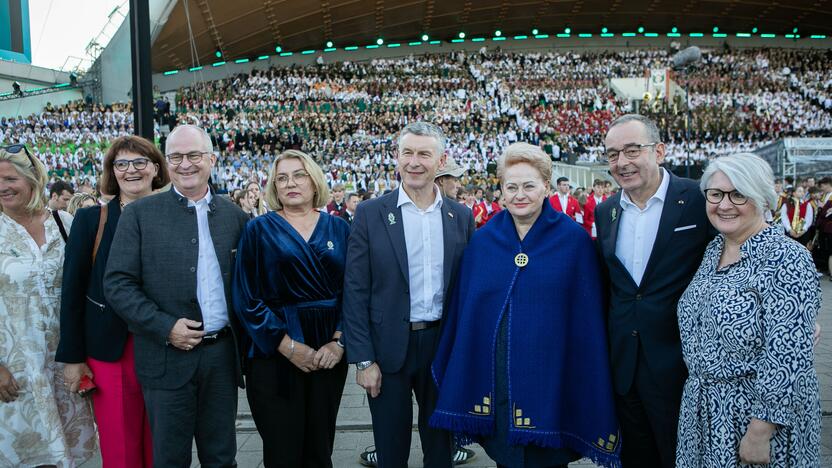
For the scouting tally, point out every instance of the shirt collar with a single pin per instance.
(204, 200)
(660, 194)
(404, 199)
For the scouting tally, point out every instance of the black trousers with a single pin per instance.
(392, 410)
(295, 412)
(649, 418)
(204, 409)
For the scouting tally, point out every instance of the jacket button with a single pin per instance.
(193, 269)
(638, 297)
(193, 241)
(635, 333)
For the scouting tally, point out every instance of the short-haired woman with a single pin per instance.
(522, 366)
(42, 422)
(287, 294)
(746, 323)
(94, 339)
(80, 200)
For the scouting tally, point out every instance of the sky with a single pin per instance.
(62, 29)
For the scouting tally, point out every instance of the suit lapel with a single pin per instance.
(392, 219)
(612, 235)
(449, 230)
(674, 205)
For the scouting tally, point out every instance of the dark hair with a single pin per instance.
(59, 187)
(825, 180)
(597, 182)
(352, 194)
(138, 145)
(562, 179)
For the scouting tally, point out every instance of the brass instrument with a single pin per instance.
(797, 222)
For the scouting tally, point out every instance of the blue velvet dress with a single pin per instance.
(284, 284)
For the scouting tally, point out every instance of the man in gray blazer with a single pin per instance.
(403, 253)
(168, 277)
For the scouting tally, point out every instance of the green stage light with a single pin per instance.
(794, 31)
(716, 29)
(462, 35)
(498, 33)
(244, 60)
(640, 29)
(278, 49)
(604, 30)
(379, 41)
(535, 32)
(568, 30)
(329, 44)
(674, 30)
(218, 53)
(754, 31)
(425, 37)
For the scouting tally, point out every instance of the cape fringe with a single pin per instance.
(462, 424)
(560, 440)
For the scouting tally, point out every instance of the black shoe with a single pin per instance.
(463, 455)
(369, 458)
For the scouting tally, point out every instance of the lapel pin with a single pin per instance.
(450, 214)
(614, 213)
(681, 202)
(330, 245)
(391, 218)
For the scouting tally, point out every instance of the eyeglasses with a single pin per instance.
(122, 165)
(193, 157)
(631, 152)
(715, 196)
(300, 178)
(14, 149)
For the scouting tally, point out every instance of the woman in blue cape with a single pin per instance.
(523, 366)
(287, 293)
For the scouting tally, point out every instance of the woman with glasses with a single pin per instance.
(95, 342)
(42, 422)
(746, 322)
(287, 294)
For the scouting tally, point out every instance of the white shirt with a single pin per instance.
(425, 256)
(210, 292)
(564, 201)
(637, 230)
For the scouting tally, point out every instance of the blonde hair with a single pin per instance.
(310, 166)
(34, 172)
(77, 201)
(518, 153)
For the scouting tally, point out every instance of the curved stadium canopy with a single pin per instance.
(248, 28)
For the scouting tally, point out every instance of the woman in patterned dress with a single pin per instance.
(41, 422)
(746, 323)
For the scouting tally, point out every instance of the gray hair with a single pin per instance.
(650, 127)
(209, 147)
(425, 129)
(750, 174)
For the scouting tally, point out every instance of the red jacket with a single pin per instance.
(572, 206)
(589, 213)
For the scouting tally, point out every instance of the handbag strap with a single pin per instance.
(60, 224)
(102, 220)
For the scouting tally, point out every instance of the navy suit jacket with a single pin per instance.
(376, 307)
(89, 325)
(645, 314)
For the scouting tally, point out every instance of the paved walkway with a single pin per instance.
(354, 427)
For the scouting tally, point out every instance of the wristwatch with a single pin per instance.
(363, 364)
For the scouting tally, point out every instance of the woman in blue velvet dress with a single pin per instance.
(287, 292)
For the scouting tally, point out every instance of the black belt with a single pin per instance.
(215, 337)
(416, 326)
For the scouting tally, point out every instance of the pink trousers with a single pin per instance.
(123, 428)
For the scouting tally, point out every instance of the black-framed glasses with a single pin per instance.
(193, 157)
(715, 196)
(139, 164)
(631, 152)
(14, 149)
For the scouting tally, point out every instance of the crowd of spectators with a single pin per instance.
(346, 114)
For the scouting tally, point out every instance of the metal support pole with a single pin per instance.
(142, 77)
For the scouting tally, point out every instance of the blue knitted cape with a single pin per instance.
(560, 388)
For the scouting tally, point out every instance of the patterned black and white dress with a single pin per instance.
(747, 341)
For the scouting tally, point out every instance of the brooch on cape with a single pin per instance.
(330, 245)
(521, 259)
(614, 213)
(391, 218)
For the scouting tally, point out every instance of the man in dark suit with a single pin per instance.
(652, 236)
(403, 253)
(172, 287)
(350, 205)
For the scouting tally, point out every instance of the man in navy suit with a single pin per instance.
(652, 236)
(403, 254)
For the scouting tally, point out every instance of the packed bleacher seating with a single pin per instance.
(346, 114)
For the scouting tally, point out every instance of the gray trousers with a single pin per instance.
(205, 409)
